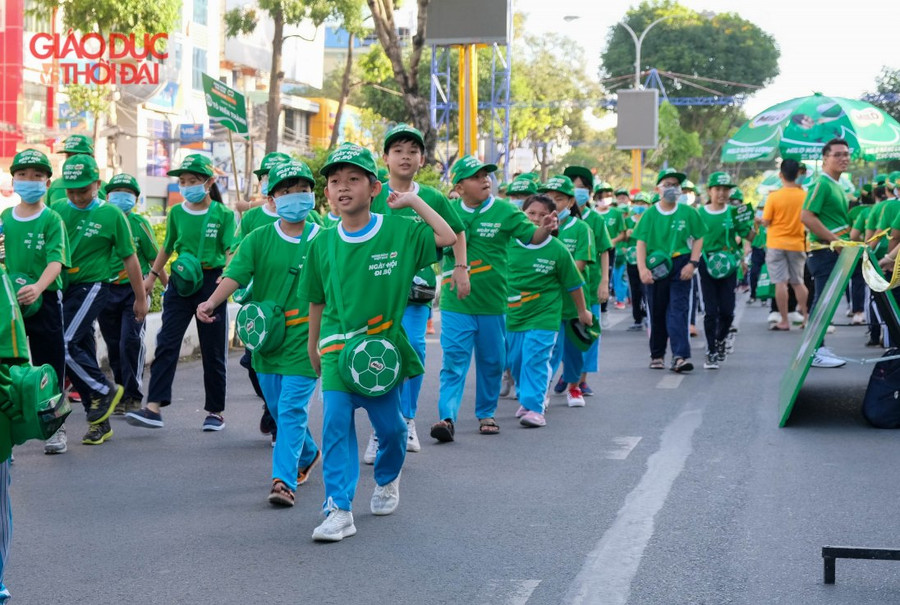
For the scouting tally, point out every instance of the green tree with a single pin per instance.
(887, 82)
(241, 21)
(598, 150)
(676, 145)
(724, 47)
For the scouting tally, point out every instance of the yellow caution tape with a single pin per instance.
(871, 273)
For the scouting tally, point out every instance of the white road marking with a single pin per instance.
(607, 573)
(670, 381)
(620, 448)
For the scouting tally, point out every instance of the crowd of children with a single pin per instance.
(346, 297)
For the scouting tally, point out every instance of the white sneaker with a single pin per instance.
(505, 385)
(336, 526)
(386, 497)
(858, 319)
(822, 359)
(575, 398)
(57, 442)
(412, 440)
(604, 319)
(371, 450)
(829, 329)
(774, 317)
(795, 317)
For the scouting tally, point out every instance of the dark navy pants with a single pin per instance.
(178, 311)
(46, 337)
(82, 303)
(718, 300)
(669, 301)
(124, 337)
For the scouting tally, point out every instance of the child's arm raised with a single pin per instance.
(443, 234)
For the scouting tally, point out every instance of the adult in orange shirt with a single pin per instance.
(786, 242)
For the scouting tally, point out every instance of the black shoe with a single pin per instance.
(443, 431)
(97, 433)
(721, 354)
(711, 362)
(267, 423)
(680, 365)
(102, 408)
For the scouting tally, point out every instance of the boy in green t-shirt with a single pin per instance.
(124, 335)
(100, 238)
(273, 257)
(478, 322)
(201, 230)
(669, 241)
(357, 278)
(404, 155)
(37, 250)
(73, 145)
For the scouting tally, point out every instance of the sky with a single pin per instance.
(834, 48)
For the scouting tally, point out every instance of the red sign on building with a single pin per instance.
(11, 74)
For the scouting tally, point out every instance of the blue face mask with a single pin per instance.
(562, 215)
(294, 207)
(638, 210)
(517, 203)
(123, 200)
(264, 186)
(94, 203)
(582, 196)
(31, 192)
(194, 194)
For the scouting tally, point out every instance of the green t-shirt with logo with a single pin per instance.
(759, 240)
(828, 201)
(254, 219)
(860, 217)
(183, 233)
(374, 268)
(721, 227)
(33, 242)
(671, 232)
(265, 256)
(602, 243)
(99, 239)
(882, 215)
(489, 230)
(540, 279)
(578, 239)
(438, 202)
(144, 245)
(614, 219)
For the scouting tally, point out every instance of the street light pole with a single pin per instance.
(636, 163)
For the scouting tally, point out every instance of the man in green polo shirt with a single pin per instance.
(826, 215)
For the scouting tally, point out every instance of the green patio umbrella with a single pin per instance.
(800, 127)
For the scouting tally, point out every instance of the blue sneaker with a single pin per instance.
(145, 418)
(560, 386)
(586, 390)
(213, 422)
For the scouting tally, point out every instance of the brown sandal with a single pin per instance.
(488, 426)
(281, 494)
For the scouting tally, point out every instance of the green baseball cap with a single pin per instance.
(80, 170)
(403, 131)
(640, 196)
(894, 177)
(270, 161)
(654, 198)
(586, 175)
(670, 172)
(295, 169)
(78, 143)
(31, 158)
(560, 183)
(521, 186)
(688, 185)
(719, 179)
(602, 186)
(468, 166)
(531, 176)
(353, 154)
(196, 163)
(737, 194)
(622, 191)
(580, 335)
(384, 175)
(123, 181)
(881, 178)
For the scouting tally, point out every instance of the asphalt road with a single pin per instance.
(665, 489)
